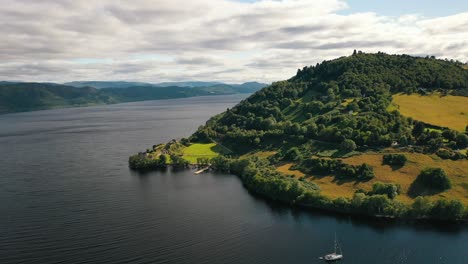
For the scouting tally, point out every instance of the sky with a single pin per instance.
(215, 40)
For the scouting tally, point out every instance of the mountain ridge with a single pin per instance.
(25, 96)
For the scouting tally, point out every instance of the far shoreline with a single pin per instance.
(243, 95)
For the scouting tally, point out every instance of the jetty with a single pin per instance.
(202, 170)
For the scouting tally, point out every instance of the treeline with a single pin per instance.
(259, 177)
(143, 161)
(335, 167)
(403, 73)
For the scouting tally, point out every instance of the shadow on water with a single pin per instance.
(281, 210)
(146, 173)
(379, 225)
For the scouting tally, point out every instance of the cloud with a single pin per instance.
(144, 40)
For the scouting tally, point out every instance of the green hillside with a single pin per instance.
(331, 135)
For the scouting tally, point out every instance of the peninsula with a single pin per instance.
(368, 134)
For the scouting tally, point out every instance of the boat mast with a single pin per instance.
(335, 243)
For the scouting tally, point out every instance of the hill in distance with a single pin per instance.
(333, 137)
(125, 84)
(21, 96)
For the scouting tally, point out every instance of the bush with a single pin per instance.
(449, 154)
(293, 154)
(389, 189)
(366, 172)
(447, 210)
(178, 161)
(421, 207)
(348, 145)
(434, 178)
(462, 141)
(337, 167)
(394, 159)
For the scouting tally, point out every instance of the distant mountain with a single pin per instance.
(187, 84)
(245, 87)
(7, 82)
(249, 87)
(21, 96)
(17, 97)
(106, 84)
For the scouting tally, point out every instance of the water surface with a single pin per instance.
(67, 196)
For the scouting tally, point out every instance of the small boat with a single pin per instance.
(333, 256)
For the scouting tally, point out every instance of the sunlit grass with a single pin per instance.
(457, 171)
(445, 111)
(210, 150)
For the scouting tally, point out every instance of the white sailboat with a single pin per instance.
(334, 256)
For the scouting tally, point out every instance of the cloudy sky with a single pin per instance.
(216, 40)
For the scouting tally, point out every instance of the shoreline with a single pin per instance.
(309, 207)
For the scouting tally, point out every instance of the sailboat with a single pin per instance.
(334, 256)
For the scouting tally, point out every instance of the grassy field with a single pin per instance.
(446, 111)
(457, 171)
(286, 169)
(211, 150)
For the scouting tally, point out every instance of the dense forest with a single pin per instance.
(343, 105)
(343, 99)
(17, 97)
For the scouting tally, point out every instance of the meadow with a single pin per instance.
(331, 187)
(444, 111)
(199, 150)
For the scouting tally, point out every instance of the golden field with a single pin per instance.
(457, 171)
(445, 111)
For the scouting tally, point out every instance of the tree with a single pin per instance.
(447, 210)
(178, 161)
(162, 159)
(449, 134)
(389, 189)
(348, 145)
(358, 200)
(221, 163)
(366, 172)
(394, 159)
(293, 154)
(421, 206)
(376, 204)
(462, 141)
(418, 128)
(434, 178)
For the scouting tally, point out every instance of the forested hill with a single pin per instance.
(346, 98)
(19, 96)
(399, 73)
(372, 134)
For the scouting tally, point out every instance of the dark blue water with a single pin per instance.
(67, 196)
